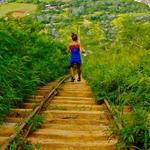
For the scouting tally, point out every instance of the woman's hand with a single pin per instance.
(84, 52)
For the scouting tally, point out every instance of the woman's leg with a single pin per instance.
(79, 71)
(72, 73)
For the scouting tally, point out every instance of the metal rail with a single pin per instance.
(111, 112)
(118, 124)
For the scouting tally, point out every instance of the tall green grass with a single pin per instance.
(29, 57)
(120, 73)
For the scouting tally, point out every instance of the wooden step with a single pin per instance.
(14, 119)
(53, 144)
(8, 125)
(3, 140)
(45, 88)
(36, 97)
(76, 90)
(80, 107)
(20, 112)
(76, 121)
(75, 94)
(83, 82)
(29, 105)
(76, 87)
(33, 100)
(72, 102)
(74, 98)
(70, 138)
(71, 135)
(80, 88)
(5, 131)
(74, 114)
(77, 127)
(42, 92)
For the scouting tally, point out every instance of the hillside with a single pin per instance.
(115, 34)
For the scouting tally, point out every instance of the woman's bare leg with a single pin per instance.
(79, 71)
(72, 71)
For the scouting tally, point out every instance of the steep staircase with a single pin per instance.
(18, 115)
(73, 121)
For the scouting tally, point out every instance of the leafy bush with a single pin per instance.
(29, 57)
(36, 122)
(135, 130)
(120, 73)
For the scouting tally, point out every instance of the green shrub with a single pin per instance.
(36, 122)
(119, 72)
(29, 57)
(134, 131)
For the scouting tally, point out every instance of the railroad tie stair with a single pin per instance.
(73, 121)
(18, 115)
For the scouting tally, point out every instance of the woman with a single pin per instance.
(74, 49)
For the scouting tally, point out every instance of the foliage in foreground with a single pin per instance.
(36, 122)
(29, 57)
(121, 75)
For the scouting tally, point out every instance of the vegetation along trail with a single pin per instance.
(33, 39)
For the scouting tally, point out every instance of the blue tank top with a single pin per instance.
(75, 53)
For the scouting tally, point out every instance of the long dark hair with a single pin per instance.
(74, 37)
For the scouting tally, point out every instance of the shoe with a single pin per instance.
(79, 79)
(72, 79)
